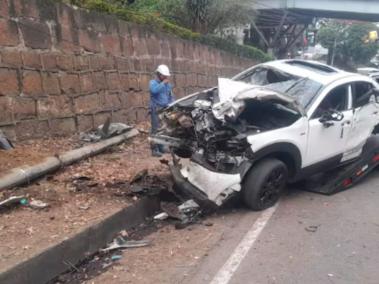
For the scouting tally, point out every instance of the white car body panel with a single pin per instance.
(363, 123)
(228, 89)
(214, 185)
(296, 134)
(333, 142)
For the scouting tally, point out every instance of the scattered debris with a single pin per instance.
(143, 183)
(89, 137)
(105, 131)
(139, 176)
(116, 257)
(164, 162)
(161, 216)
(12, 201)
(172, 210)
(106, 265)
(192, 212)
(187, 213)
(22, 200)
(120, 243)
(68, 263)
(83, 183)
(113, 129)
(124, 234)
(38, 204)
(84, 207)
(189, 206)
(5, 143)
(312, 229)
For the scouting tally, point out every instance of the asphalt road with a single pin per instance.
(307, 238)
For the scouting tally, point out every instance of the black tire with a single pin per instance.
(264, 183)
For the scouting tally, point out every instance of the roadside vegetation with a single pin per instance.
(183, 19)
(349, 44)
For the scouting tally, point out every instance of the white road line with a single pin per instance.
(227, 271)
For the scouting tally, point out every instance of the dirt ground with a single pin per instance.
(33, 151)
(78, 196)
(172, 256)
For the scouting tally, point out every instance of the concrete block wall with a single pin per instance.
(64, 70)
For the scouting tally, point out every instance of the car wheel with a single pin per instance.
(264, 183)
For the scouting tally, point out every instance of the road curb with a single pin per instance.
(53, 261)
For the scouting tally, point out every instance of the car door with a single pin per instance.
(365, 117)
(328, 143)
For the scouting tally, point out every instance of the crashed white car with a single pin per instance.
(274, 123)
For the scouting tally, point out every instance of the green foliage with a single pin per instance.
(157, 23)
(240, 50)
(145, 6)
(348, 42)
(331, 34)
(355, 46)
(207, 16)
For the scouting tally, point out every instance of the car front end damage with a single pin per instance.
(207, 133)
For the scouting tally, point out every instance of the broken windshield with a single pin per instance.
(304, 90)
(301, 88)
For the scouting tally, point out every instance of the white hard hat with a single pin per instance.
(163, 69)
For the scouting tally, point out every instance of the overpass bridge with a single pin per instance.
(286, 20)
(364, 10)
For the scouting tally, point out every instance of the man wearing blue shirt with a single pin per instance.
(160, 97)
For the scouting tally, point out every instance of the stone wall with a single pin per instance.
(64, 70)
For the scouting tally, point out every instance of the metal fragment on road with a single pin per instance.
(121, 243)
(189, 205)
(172, 210)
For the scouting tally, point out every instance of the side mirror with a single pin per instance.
(328, 117)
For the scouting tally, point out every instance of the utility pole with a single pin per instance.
(334, 51)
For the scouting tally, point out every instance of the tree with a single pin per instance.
(203, 16)
(347, 43)
(356, 45)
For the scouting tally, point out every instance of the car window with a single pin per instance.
(362, 92)
(337, 99)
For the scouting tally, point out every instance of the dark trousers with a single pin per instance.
(155, 124)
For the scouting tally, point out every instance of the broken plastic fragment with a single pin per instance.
(161, 216)
(13, 200)
(116, 257)
(38, 204)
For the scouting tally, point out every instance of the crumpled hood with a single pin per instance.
(232, 95)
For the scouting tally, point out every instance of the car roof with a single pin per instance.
(367, 70)
(321, 73)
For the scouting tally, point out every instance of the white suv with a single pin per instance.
(277, 122)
